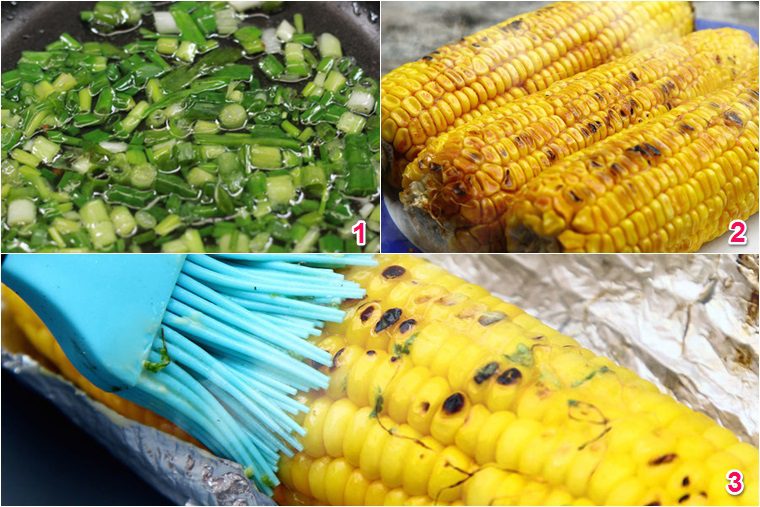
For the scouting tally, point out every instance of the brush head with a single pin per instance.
(105, 310)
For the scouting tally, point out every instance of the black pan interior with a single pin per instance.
(33, 25)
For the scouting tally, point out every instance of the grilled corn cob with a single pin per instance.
(41, 339)
(442, 393)
(466, 178)
(668, 185)
(517, 57)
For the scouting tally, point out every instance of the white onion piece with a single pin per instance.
(244, 6)
(114, 146)
(271, 43)
(164, 22)
(21, 212)
(285, 31)
(361, 102)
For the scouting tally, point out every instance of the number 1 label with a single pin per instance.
(360, 229)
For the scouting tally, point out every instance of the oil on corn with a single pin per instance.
(441, 393)
(514, 58)
(471, 141)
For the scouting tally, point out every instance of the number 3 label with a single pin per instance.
(735, 482)
(739, 229)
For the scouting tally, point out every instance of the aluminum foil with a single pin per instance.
(688, 323)
(183, 472)
(685, 322)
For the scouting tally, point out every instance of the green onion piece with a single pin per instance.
(123, 221)
(330, 243)
(280, 190)
(44, 150)
(25, 157)
(95, 219)
(351, 123)
(187, 51)
(142, 176)
(21, 212)
(265, 157)
(329, 45)
(145, 220)
(233, 116)
(85, 100)
(226, 22)
(271, 66)
(334, 81)
(188, 30)
(298, 22)
(197, 177)
(167, 45)
(167, 225)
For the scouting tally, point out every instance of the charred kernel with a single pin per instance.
(393, 271)
(394, 359)
(427, 58)
(453, 403)
(336, 358)
(367, 313)
(425, 406)
(594, 163)
(732, 117)
(592, 128)
(652, 150)
(575, 198)
(665, 458)
(436, 167)
(685, 482)
(654, 503)
(489, 318)
(371, 352)
(486, 372)
(633, 76)
(407, 325)
(684, 498)
(509, 377)
(516, 24)
(388, 319)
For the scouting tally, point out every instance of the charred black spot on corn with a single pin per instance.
(684, 498)
(489, 318)
(406, 325)
(394, 271)
(664, 459)
(733, 119)
(367, 313)
(509, 377)
(336, 358)
(389, 318)
(453, 403)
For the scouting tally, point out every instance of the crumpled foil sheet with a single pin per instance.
(183, 472)
(688, 323)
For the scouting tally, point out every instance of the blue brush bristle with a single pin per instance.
(232, 350)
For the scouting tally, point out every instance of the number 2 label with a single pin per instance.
(735, 482)
(739, 230)
(360, 229)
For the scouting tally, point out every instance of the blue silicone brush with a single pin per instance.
(216, 344)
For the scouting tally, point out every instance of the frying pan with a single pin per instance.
(33, 25)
